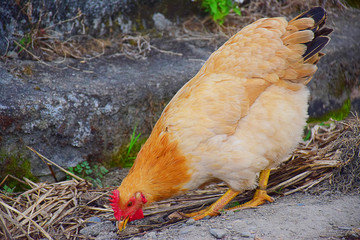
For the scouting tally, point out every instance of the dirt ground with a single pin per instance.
(298, 216)
(321, 213)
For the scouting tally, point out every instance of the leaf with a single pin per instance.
(237, 10)
(8, 189)
(78, 168)
(103, 170)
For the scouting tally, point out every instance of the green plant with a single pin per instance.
(338, 114)
(25, 42)
(92, 174)
(9, 189)
(133, 141)
(307, 134)
(279, 190)
(219, 9)
(126, 154)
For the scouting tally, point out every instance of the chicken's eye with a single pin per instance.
(130, 204)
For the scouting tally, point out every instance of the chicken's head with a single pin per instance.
(129, 210)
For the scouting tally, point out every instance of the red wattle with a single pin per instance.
(137, 215)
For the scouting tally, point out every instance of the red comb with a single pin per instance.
(114, 199)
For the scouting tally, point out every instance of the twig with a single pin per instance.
(165, 51)
(65, 21)
(61, 168)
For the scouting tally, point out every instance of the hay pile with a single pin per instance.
(60, 210)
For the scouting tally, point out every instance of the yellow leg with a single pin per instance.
(214, 208)
(260, 196)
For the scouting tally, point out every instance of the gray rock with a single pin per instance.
(218, 233)
(99, 18)
(77, 116)
(92, 221)
(161, 23)
(186, 230)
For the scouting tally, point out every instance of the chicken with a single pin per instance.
(241, 115)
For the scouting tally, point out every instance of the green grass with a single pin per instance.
(126, 154)
(219, 9)
(338, 114)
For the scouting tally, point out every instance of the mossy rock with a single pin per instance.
(17, 165)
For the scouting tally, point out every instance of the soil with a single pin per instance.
(320, 213)
(298, 216)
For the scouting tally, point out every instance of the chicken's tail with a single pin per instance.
(305, 37)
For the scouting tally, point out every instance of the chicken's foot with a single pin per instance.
(260, 197)
(214, 208)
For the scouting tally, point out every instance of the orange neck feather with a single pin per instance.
(160, 170)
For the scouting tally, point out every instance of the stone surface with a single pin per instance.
(70, 115)
(74, 115)
(218, 233)
(98, 18)
(337, 78)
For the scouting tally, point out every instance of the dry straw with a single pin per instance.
(60, 210)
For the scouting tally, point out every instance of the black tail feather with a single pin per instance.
(320, 34)
(315, 46)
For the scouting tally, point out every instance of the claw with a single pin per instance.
(207, 213)
(260, 197)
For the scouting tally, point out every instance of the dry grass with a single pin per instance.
(60, 210)
(206, 29)
(52, 48)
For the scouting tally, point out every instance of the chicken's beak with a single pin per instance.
(122, 224)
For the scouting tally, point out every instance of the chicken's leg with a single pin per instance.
(259, 198)
(214, 208)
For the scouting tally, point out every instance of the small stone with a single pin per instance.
(107, 236)
(344, 228)
(230, 213)
(161, 23)
(246, 234)
(218, 233)
(190, 222)
(151, 235)
(186, 230)
(92, 221)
